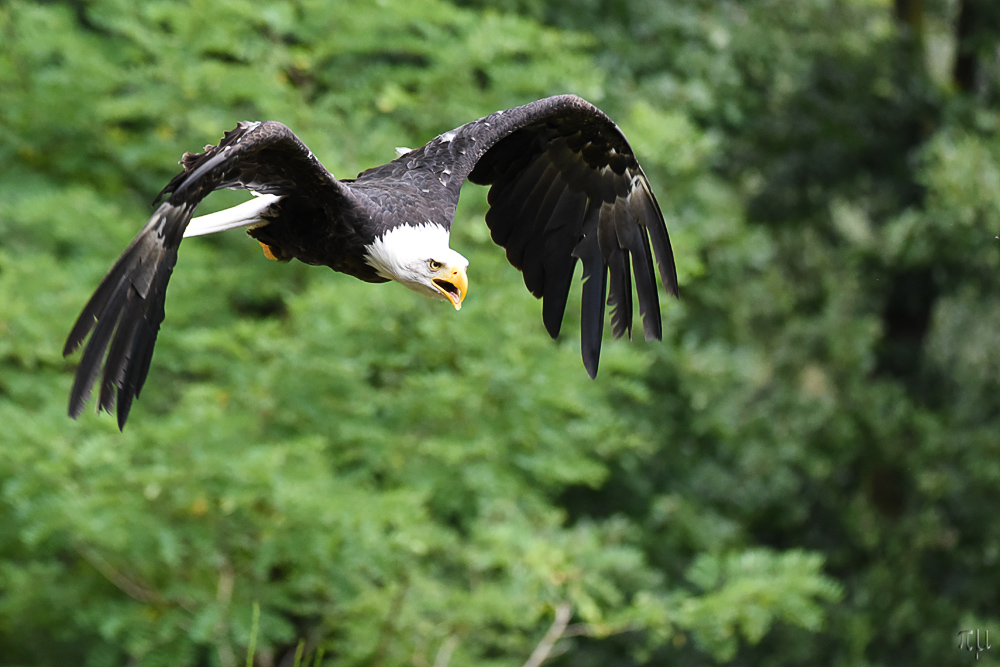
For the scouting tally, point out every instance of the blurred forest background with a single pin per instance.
(804, 472)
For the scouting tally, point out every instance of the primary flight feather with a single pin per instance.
(564, 186)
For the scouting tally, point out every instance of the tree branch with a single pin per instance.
(556, 630)
(133, 589)
(444, 653)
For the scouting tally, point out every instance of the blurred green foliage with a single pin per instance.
(804, 472)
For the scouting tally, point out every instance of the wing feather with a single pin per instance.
(539, 219)
(90, 364)
(595, 275)
(647, 212)
(508, 200)
(632, 237)
(559, 266)
(617, 260)
(526, 214)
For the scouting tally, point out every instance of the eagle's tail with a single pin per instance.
(125, 314)
(248, 214)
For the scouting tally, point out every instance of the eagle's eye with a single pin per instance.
(434, 264)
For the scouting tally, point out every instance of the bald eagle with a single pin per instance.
(564, 186)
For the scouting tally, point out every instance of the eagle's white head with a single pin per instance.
(418, 256)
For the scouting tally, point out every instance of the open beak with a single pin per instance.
(454, 286)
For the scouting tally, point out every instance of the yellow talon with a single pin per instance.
(267, 251)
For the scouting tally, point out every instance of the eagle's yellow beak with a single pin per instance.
(453, 285)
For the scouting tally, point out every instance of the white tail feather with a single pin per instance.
(247, 214)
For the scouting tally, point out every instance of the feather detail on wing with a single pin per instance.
(566, 186)
(124, 314)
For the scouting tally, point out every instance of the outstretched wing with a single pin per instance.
(565, 185)
(126, 310)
